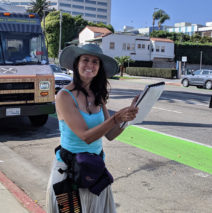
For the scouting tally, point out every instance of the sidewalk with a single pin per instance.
(14, 200)
(8, 202)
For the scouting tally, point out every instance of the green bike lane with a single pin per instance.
(190, 153)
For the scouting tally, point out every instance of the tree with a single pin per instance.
(162, 19)
(161, 16)
(71, 27)
(39, 7)
(155, 16)
(122, 61)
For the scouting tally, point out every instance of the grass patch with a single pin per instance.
(122, 77)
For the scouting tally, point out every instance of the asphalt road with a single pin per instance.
(144, 182)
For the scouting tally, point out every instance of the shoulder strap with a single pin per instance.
(68, 91)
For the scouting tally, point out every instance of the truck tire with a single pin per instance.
(38, 120)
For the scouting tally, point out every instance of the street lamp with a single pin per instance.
(60, 33)
(153, 23)
(44, 26)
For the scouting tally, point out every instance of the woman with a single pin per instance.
(84, 118)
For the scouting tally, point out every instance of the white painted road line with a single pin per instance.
(168, 110)
(187, 102)
(188, 140)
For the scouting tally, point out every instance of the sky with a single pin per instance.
(138, 13)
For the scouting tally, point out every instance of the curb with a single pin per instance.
(173, 83)
(24, 199)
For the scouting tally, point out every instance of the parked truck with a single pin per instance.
(26, 80)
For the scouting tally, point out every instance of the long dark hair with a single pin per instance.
(98, 85)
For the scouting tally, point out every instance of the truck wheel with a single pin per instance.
(38, 120)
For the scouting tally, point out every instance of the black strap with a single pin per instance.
(57, 148)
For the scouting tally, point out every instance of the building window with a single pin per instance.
(112, 45)
(132, 46)
(77, 13)
(90, 15)
(128, 46)
(157, 48)
(163, 49)
(65, 11)
(79, 0)
(77, 7)
(148, 47)
(143, 46)
(90, 2)
(90, 8)
(139, 46)
(102, 3)
(65, 5)
(24, 3)
(124, 46)
(52, 3)
(100, 16)
(101, 10)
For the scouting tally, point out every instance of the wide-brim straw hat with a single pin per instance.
(70, 53)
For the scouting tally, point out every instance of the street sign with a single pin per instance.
(184, 58)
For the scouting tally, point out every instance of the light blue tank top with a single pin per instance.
(71, 142)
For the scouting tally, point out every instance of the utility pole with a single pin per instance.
(200, 66)
(44, 26)
(60, 33)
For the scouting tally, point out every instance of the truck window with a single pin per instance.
(23, 48)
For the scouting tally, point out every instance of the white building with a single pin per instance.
(138, 47)
(184, 27)
(98, 11)
(162, 48)
(91, 32)
(207, 30)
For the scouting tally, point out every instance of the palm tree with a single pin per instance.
(155, 16)
(122, 61)
(39, 7)
(160, 15)
(162, 19)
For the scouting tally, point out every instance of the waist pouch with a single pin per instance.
(87, 170)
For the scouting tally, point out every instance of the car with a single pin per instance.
(200, 78)
(61, 79)
(64, 70)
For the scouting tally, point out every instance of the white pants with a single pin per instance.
(90, 202)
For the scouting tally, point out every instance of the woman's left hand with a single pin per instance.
(126, 114)
(134, 100)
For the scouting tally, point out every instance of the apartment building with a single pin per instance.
(98, 11)
(185, 27)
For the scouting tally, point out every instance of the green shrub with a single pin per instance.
(192, 51)
(152, 72)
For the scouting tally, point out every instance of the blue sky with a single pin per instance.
(138, 13)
